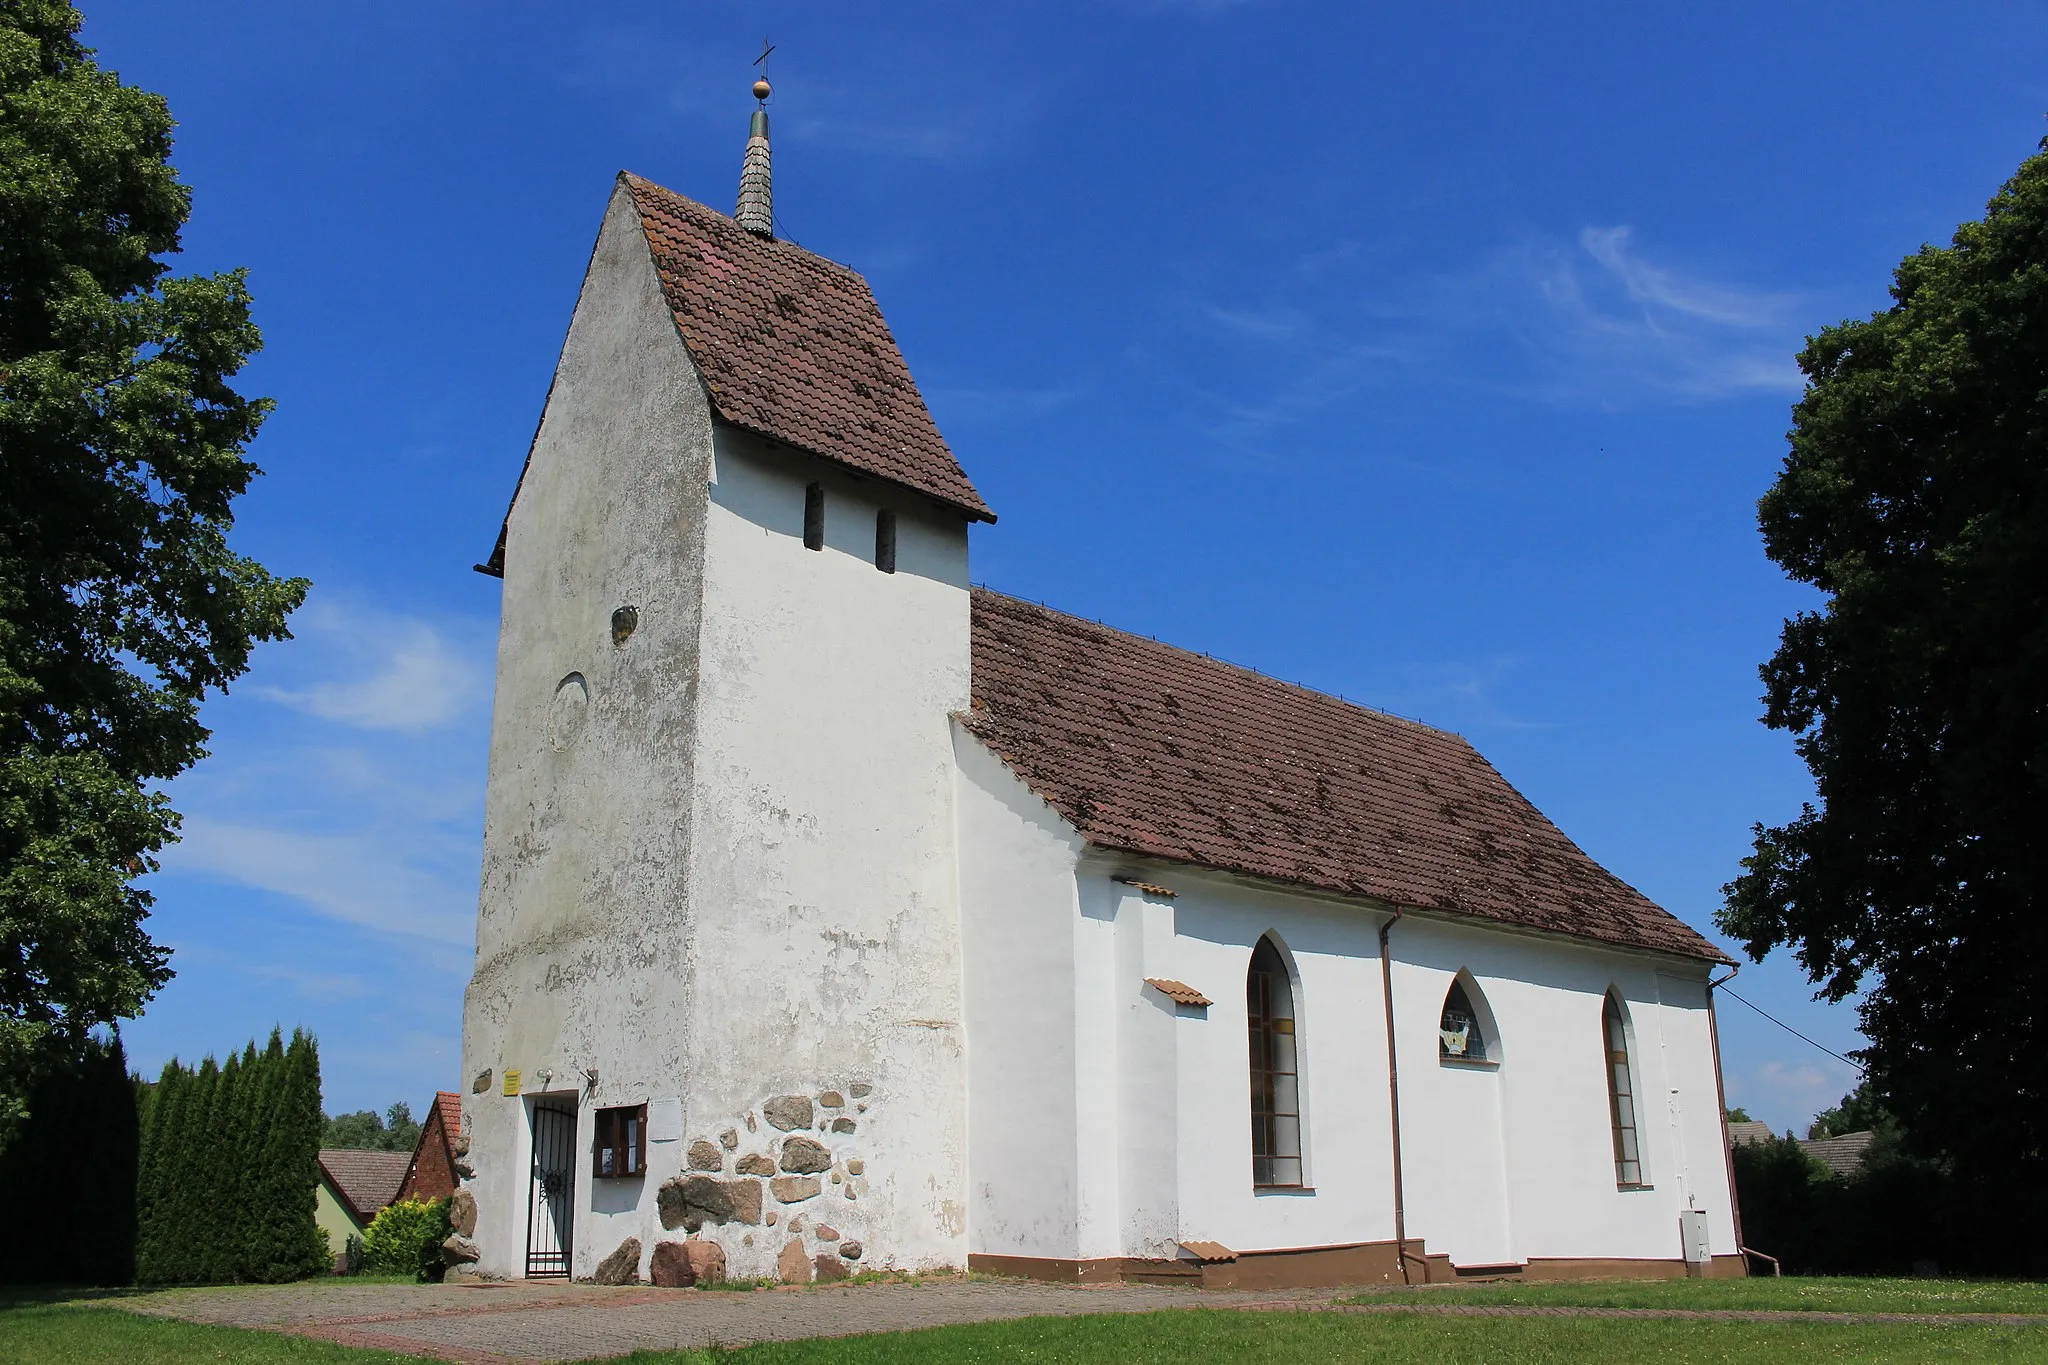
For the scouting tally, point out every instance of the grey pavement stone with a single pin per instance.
(558, 1322)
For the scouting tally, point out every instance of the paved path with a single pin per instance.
(493, 1324)
(485, 1324)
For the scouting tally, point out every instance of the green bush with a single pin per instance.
(405, 1238)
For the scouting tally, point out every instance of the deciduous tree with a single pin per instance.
(122, 449)
(1915, 498)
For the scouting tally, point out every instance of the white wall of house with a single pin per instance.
(582, 916)
(1347, 1164)
(1107, 1121)
(1019, 917)
(1550, 1091)
(718, 853)
(826, 952)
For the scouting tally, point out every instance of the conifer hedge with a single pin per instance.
(67, 1179)
(224, 1190)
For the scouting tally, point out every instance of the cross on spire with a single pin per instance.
(762, 60)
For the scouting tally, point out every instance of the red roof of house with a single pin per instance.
(448, 1104)
(364, 1180)
(793, 346)
(430, 1172)
(1154, 750)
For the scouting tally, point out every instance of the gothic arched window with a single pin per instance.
(1276, 1085)
(1621, 1096)
(1460, 1034)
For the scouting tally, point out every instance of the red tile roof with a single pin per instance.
(1179, 992)
(448, 1104)
(1153, 750)
(365, 1180)
(431, 1172)
(792, 346)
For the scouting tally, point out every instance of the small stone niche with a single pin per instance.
(625, 621)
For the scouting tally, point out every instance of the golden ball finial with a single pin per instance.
(761, 90)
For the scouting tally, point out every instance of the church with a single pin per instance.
(838, 914)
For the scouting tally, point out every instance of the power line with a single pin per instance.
(1793, 1031)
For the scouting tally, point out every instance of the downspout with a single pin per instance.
(1394, 1095)
(1721, 1096)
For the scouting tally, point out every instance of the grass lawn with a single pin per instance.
(58, 1334)
(1816, 1294)
(73, 1334)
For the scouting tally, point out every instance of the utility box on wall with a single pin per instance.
(1692, 1240)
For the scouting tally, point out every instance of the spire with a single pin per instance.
(756, 211)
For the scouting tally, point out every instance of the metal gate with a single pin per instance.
(551, 1201)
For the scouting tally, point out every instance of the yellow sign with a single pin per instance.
(511, 1082)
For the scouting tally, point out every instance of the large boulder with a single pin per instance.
(459, 1250)
(828, 1267)
(788, 1112)
(462, 1212)
(669, 1267)
(793, 1266)
(805, 1156)
(691, 1201)
(622, 1266)
(707, 1260)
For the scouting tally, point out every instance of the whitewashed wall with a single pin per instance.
(582, 913)
(827, 949)
(1019, 918)
(719, 858)
(1082, 1147)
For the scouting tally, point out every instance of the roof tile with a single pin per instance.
(366, 1180)
(1153, 750)
(793, 347)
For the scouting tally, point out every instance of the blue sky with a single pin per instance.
(1432, 355)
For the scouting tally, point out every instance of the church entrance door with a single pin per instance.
(551, 1189)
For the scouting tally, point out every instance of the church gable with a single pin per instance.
(793, 347)
(1154, 750)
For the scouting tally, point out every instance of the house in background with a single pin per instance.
(1843, 1155)
(431, 1172)
(354, 1185)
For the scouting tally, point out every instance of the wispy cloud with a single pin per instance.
(381, 671)
(413, 886)
(1797, 1087)
(1595, 320)
(325, 987)
(961, 127)
(1001, 404)
(1456, 694)
(1605, 323)
(1266, 324)
(1662, 288)
(902, 106)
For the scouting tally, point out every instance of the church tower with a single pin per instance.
(717, 987)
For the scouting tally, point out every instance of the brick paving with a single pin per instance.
(531, 1322)
(492, 1324)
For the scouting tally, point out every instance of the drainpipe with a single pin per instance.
(1721, 1095)
(1394, 1095)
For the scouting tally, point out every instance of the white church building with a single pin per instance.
(838, 914)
